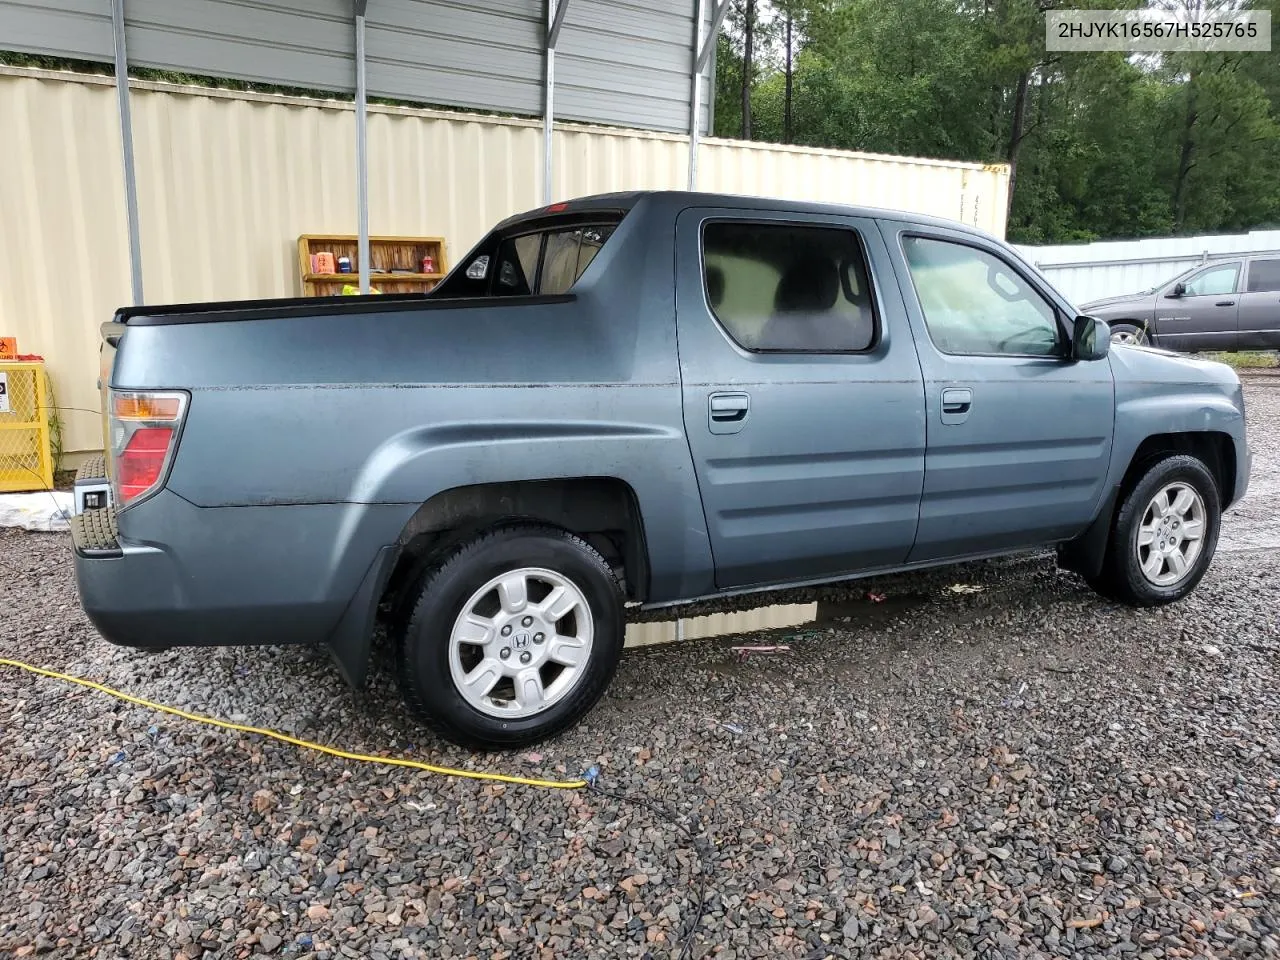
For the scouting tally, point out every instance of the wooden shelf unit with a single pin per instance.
(385, 254)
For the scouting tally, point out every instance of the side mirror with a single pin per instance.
(1179, 290)
(1090, 339)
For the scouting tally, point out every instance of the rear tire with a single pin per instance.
(513, 638)
(1164, 535)
(1129, 333)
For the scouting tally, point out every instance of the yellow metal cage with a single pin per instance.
(26, 457)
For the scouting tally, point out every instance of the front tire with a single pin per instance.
(1129, 333)
(513, 638)
(1164, 535)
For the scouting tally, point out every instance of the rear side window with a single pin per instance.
(538, 260)
(1264, 276)
(567, 255)
(789, 288)
(517, 266)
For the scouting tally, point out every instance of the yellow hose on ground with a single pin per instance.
(285, 738)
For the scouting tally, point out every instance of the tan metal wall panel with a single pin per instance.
(595, 161)
(456, 178)
(970, 193)
(227, 181)
(721, 624)
(648, 634)
(64, 255)
(225, 186)
(747, 621)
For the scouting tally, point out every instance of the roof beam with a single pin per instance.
(553, 34)
(709, 43)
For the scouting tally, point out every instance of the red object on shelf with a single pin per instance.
(29, 358)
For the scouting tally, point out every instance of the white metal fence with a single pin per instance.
(1089, 271)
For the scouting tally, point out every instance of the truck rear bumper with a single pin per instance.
(137, 596)
(244, 576)
(130, 594)
(92, 489)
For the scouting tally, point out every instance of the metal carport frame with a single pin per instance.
(702, 48)
(126, 144)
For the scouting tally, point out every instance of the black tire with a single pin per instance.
(425, 676)
(1120, 330)
(1122, 578)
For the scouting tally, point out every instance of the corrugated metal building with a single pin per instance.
(228, 181)
(623, 62)
(1091, 271)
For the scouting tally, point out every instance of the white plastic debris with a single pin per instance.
(49, 511)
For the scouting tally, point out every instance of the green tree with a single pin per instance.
(1098, 144)
(1227, 145)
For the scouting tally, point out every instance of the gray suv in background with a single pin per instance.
(1229, 303)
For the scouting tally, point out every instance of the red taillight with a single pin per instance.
(143, 432)
(140, 464)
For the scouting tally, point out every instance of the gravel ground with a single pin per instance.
(1015, 770)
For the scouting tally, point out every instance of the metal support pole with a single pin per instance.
(555, 20)
(711, 87)
(126, 143)
(362, 151)
(703, 46)
(695, 97)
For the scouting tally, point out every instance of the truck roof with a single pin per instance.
(671, 201)
(627, 200)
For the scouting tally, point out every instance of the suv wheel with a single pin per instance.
(513, 637)
(1128, 333)
(1164, 535)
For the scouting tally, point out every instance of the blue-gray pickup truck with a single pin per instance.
(644, 398)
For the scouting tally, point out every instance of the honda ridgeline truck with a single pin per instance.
(643, 398)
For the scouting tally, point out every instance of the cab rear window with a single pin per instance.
(544, 260)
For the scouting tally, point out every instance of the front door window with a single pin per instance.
(1213, 282)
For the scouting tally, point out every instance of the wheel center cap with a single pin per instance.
(522, 640)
